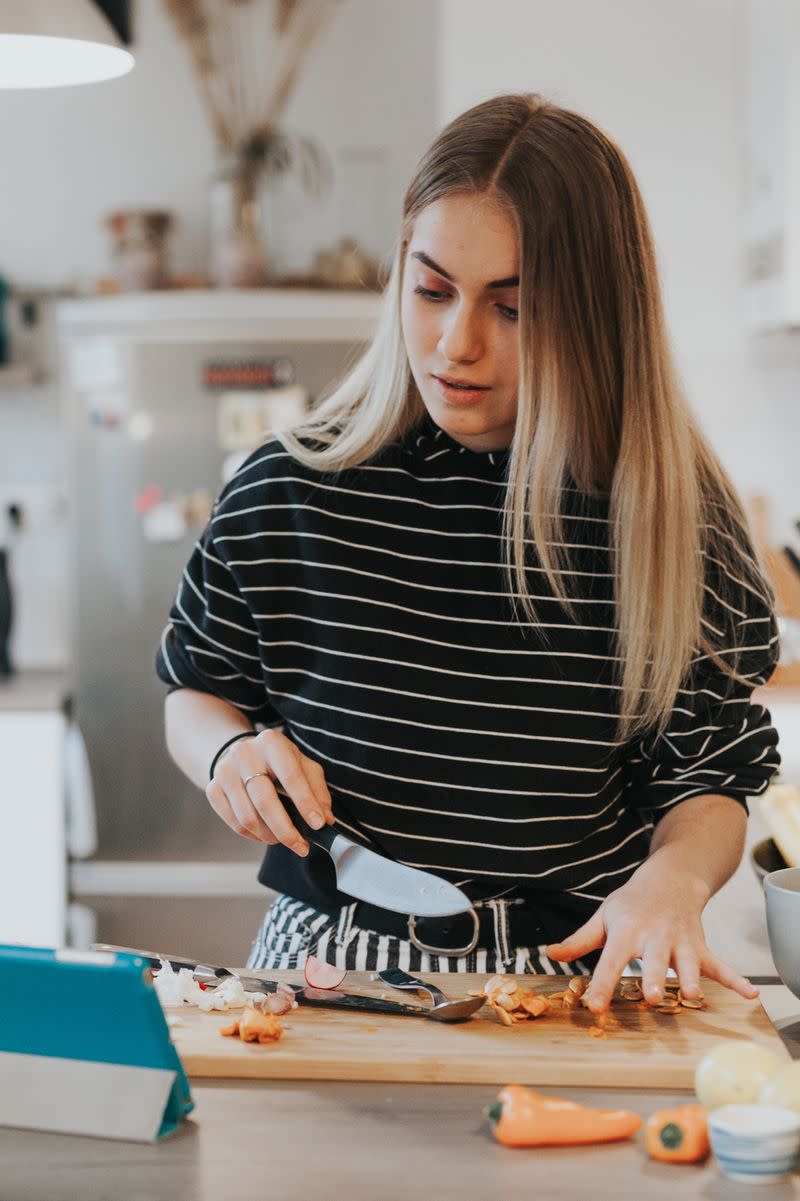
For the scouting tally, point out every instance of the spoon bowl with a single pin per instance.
(442, 1009)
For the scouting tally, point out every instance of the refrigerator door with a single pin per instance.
(141, 425)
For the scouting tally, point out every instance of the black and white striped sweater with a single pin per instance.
(366, 612)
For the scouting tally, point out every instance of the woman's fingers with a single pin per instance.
(717, 970)
(588, 937)
(245, 790)
(617, 953)
(655, 962)
(289, 769)
(219, 802)
(687, 966)
(258, 807)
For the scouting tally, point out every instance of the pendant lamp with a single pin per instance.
(57, 43)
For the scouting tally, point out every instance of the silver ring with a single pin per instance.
(456, 952)
(255, 776)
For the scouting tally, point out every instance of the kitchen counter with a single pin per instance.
(292, 1141)
(33, 691)
(364, 1142)
(359, 1142)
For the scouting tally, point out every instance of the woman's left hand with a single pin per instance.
(654, 917)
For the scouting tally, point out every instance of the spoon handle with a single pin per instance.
(397, 978)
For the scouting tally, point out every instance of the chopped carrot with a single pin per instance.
(254, 1026)
(521, 1117)
(678, 1135)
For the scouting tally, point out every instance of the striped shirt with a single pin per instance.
(366, 612)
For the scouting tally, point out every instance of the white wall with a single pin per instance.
(665, 80)
(72, 155)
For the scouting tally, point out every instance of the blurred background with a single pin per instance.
(192, 239)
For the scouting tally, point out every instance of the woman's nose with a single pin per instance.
(462, 338)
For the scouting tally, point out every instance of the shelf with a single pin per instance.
(290, 314)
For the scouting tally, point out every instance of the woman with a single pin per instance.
(493, 611)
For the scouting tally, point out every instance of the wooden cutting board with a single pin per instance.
(647, 1050)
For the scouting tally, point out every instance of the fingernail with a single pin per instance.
(302, 848)
(316, 819)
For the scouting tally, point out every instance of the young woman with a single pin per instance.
(493, 611)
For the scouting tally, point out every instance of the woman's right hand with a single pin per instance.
(256, 812)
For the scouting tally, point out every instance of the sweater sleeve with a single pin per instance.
(718, 740)
(210, 642)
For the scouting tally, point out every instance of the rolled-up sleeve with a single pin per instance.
(718, 739)
(210, 642)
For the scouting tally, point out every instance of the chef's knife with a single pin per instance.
(304, 995)
(371, 877)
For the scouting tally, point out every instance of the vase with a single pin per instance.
(238, 259)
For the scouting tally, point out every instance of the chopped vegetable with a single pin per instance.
(734, 1071)
(783, 1088)
(253, 1027)
(323, 975)
(521, 1117)
(678, 1135)
(511, 1003)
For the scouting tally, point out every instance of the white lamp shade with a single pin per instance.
(56, 43)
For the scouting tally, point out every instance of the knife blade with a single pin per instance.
(368, 876)
(304, 995)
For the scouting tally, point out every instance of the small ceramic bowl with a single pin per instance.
(755, 1143)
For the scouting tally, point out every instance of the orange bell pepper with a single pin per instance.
(521, 1117)
(678, 1135)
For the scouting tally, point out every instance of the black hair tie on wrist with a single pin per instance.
(224, 747)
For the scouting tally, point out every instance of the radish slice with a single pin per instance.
(323, 975)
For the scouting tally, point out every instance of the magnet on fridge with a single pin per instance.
(164, 522)
(246, 419)
(149, 496)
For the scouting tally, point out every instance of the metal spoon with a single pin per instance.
(443, 1009)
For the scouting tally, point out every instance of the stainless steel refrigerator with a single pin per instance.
(158, 391)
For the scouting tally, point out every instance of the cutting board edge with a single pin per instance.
(199, 1068)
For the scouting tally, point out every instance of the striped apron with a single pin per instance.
(292, 930)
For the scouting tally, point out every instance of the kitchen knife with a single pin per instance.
(371, 877)
(304, 995)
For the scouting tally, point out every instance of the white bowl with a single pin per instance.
(756, 1143)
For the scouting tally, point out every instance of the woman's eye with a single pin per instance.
(505, 310)
(429, 294)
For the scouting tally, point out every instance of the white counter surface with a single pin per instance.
(28, 691)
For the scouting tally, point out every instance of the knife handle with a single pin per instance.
(320, 838)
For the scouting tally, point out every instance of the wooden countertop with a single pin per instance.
(353, 1142)
(296, 1140)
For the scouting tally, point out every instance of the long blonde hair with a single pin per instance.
(599, 396)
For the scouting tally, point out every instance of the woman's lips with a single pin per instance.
(459, 395)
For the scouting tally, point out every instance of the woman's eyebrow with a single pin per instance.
(511, 282)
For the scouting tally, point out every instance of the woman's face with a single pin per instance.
(459, 317)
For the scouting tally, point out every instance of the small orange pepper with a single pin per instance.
(678, 1135)
(521, 1117)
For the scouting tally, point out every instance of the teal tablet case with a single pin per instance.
(98, 1007)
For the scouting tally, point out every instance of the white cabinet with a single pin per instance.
(33, 858)
(772, 164)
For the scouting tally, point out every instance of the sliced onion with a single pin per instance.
(323, 975)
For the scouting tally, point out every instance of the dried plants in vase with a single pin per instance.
(247, 56)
